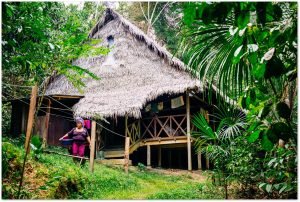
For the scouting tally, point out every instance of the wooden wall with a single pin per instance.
(57, 128)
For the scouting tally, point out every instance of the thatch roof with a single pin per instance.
(137, 70)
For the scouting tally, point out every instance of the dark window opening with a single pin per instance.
(110, 40)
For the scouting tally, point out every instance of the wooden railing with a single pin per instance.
(164, 126)
(134, 131)
(158, 127)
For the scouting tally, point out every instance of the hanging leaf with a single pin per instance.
(237, 51)
(265, 111)
(283, 110)
(241, 32)
(274, 68)
(252, 47)
(282, 130)
(232, 31)
(252, 96)
(268, 55)
(51, 46)
(254, 136)
(272, 136)
(259, 71)
(266, 143)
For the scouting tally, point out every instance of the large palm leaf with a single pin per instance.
(227, 52)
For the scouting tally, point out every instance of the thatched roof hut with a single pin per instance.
(137, 70)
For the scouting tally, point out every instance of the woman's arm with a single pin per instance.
(68, 134)
(63, 137)
(89, 140)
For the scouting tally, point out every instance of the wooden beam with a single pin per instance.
(188, 123)
(92, 151)
(45, 132)
(31, 117)
(164, 142)
(177, 145)
(113, 161)
(126, 156)
(159, 156)
(148, 156)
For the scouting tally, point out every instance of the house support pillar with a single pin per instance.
(45, 132)
(148, 156)
(207, 163)
(126, 154)
(159, 156)
(199, 161)
(188, 128)
(92, 151)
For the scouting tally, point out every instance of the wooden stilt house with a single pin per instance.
(144, 93)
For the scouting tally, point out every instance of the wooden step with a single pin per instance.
(113, 153)
(113, 161)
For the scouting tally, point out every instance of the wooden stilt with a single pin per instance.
(207, 163)
(126, 156)
(188, 128)
(126, 125)
(148, 156)
(199, 161)
(45, 132)
(31, 117)
(92, 151)
(159, 156)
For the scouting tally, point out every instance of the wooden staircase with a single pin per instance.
(119, 152)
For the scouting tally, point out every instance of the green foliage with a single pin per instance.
(57, 177)
(200, 191)
(141, 167)
(236, 44)
(6, 116)
(280, 176)
(40, 38)
(36, 146)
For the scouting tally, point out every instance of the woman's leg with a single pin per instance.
(81, 150)
(75, 149)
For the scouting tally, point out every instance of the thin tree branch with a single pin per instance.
(153, 13)
(143, 11)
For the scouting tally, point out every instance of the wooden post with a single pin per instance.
(126, 156)
(45, 132)
(207, 163)
(31, 117)
(199, 161)
(92, 151)
(148, 156)
(159, 156)
(188, 128)
(23, 119)
(28, 132)
(126, 125)
(139, 124)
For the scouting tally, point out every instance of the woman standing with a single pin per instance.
(80, 135)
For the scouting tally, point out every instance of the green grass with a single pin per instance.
(58, 177)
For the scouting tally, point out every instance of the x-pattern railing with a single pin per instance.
(170, 126)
